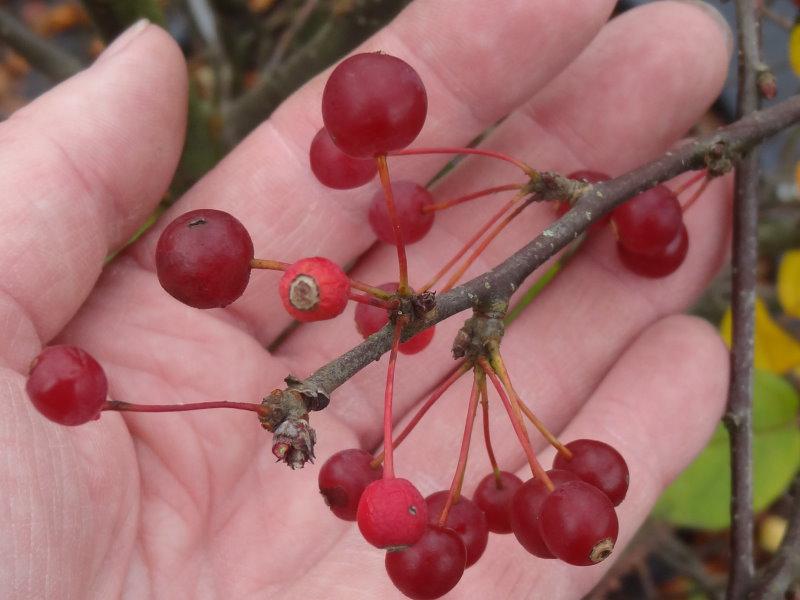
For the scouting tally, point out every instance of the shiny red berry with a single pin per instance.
(314, 289)
(391, 513)
(647, 223)
(598, 464)
(658, 264)
(578, 523)
(431, 567)
(67, 385)
(370, 319)
(342, 480)
(335, 169)
(373, 103)
(493, 497)
(465, 518)
(203, 258)
(409, 199)
(525, 509)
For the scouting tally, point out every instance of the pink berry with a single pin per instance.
(465, 518)
(658, 264)
(578, 523)
(647, 223)
(372, 104)
(493, 497)
(409, 200)
(431, 567)
(203, 258)
(525, 509)
(335, 169)
(370, 319)
(342, 480)
(391, 513)
(67, 385)
(598, 464)
(314, 289)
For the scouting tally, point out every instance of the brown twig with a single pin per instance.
(738, 416)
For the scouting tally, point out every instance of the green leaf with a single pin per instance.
(700, 496)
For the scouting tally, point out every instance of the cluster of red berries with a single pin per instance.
(575, 521)
(373, 106)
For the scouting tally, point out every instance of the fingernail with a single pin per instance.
(718, 18)
(124, 39)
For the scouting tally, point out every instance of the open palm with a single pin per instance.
(193, 505)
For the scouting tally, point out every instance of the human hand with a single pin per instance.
(192, 505)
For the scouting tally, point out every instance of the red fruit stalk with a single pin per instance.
(529, 171)
(388, 445)
(445, 204)
(402, 260)
(487, 436)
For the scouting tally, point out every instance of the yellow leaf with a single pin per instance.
(789, 283)
(775, 350)
(794, 49)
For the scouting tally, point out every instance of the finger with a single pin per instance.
(657, 406)
(590, 312)
(471, 82)
(81, 168)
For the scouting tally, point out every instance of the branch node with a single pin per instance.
(548, 185)
(719, 158)
(483, 330)
(766, 83)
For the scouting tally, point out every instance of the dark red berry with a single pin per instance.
(578, 523)
(342, 480)
(598, 464)
(659, 264)
(431, 567)
(314, 289)
(409, 200)
(373, 103)
(335, 169)
(493, 497)
(525, 508)
(203, 258)
(67, 385)
(370, 319)
(391, 513)
(647, 223)
(465, 518)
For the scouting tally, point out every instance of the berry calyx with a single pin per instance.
(597, 464)
(658, 264)
(465, 518)
(370, 319)
(493, 497)
(342, 480)
(578, 523)
(314, 289)
(410, 199)
(647, 223)
(391, 513)
(373, 103)
(67, 385)
(335, 169)
(525, 509)
(431, 567)
(203, 258)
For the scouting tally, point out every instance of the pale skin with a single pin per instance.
(193, 505)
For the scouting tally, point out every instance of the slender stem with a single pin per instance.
(371, 290)
(461, 467)
(482, 246)
(466, 198)
(270, 265)
(503, 210)
(518, 425)
(478, 151)
(690, 182)
(388, 445)
(383, 170)
(738, 417)
(698, 192)
(370, 301)
(437, 393)
(121, 406)
(487, 436)
(499, 367)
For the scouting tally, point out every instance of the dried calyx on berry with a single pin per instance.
(314, 289)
